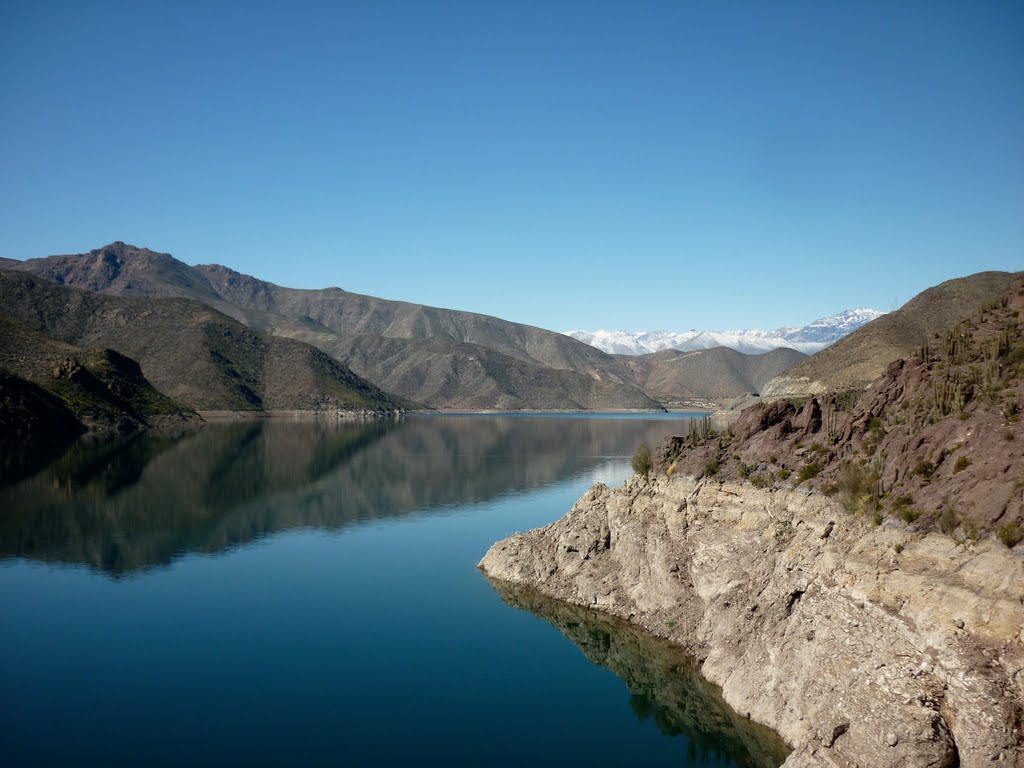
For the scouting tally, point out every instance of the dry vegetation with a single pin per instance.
(933, 443)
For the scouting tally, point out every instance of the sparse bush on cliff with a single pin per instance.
(971, 530)
(1011, 534)
(641, 461)
(808, 470)
(856, 487)
(948, 520)
(924, 470)
(908, 514)
(962, 463)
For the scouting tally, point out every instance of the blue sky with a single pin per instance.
(569, 165)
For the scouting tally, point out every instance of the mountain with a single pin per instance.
(438, 357)
(125, 270)
(189, 351)
(860, 357)
(809, 339)
(931, 441)
(98, 387)
(716, 374)
(51, 392)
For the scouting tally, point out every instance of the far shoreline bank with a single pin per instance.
(221, 416)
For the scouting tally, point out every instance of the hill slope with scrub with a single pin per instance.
(862, 356)
(190, 352)
(442, 358)
(935, 442)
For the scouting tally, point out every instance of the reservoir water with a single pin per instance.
(306, 593)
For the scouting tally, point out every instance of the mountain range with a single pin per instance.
(426, 356)
(808, 339)
(857, 359)
(208, 338)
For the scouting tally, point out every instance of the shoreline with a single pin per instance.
(785, 599)
(224, 415)
(567, 411)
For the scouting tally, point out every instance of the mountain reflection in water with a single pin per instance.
(125, 504)
(664, 684)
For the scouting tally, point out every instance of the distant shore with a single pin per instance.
(343, 415)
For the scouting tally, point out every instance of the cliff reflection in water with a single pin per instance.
(123, 505)
(664, 684)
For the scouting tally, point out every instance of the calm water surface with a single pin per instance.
(274, 593)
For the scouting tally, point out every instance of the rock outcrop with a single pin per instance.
(860, 645)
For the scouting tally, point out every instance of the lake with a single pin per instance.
(306, 592)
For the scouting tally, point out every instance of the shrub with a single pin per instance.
(746, 470)
(1011, 411)
(855, 487)
(758, 481)
(1011, 534)
(948, 520)
(809, 470)
(898, 548)
(924, 470)
(712, 466)
(908, 514)
(641, 461)
(962, 463)
(971, 530)
(902, 501)
(784, 474)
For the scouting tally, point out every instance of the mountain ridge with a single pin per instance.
(439, 357)
(808, 339)
(191, 352)
(858, 358)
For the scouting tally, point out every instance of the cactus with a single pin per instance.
(832, 424)
(700, 430)
(958, 344)
(925, 353)
(999, 346)
(947, 395)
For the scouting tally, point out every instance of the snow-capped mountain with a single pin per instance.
(808, 339)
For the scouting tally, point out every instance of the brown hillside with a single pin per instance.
(672, 376)
(440, 357)
(98, 387)
(863, 355)
(935, 442)
(191, 352)
(474, 377)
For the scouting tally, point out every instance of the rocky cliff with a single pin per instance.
(861, 644)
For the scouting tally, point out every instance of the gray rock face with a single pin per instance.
(851, 651)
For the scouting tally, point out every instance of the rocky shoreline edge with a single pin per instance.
(859, 645)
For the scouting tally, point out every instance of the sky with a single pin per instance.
(618, 165)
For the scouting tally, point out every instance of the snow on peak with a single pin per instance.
(808, 339)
